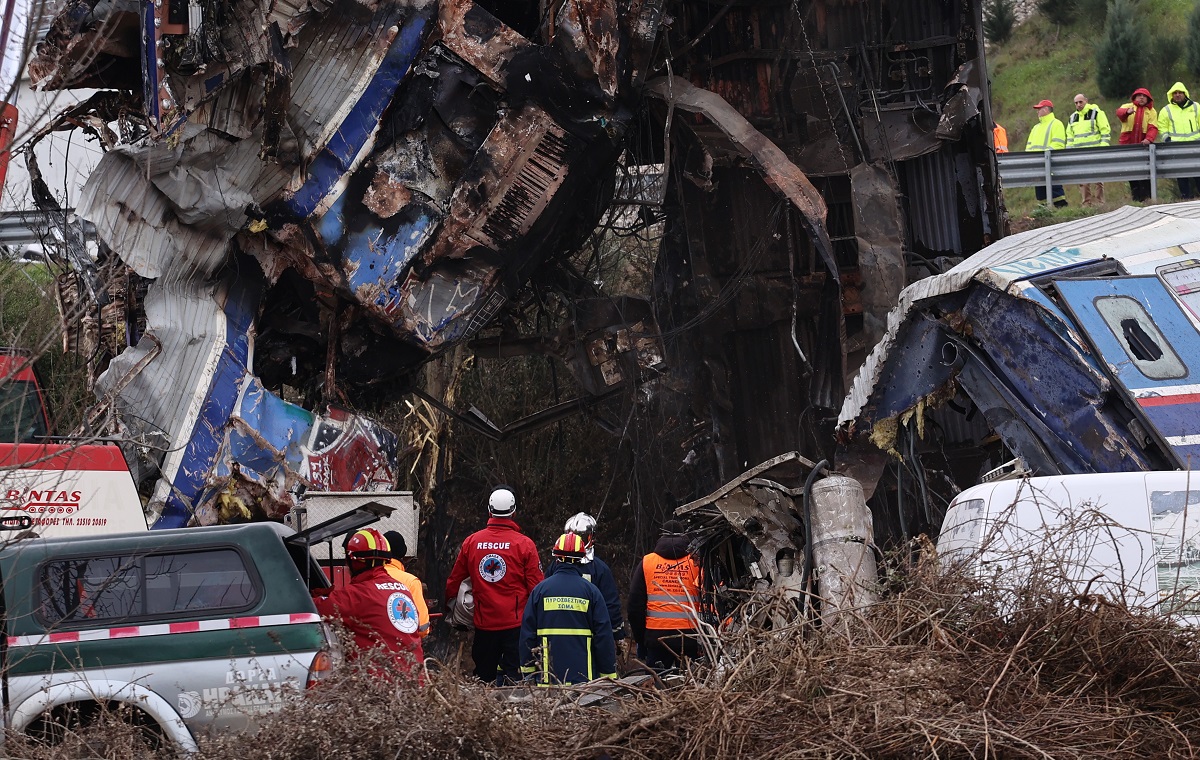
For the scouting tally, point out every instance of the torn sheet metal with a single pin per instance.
(397, 171)
(749, 532)
(1068, 339)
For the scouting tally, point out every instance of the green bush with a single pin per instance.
(999, 19)
(1165, 52)
(1193, 42)
(1121, 60)
(1060, 12)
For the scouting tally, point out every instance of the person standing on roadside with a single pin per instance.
(503, 565)
(1048, 134)
(1138, 127)
(1088, 128)
(1179, 122)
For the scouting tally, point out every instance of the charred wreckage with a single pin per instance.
(325, 195)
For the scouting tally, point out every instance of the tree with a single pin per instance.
(1193, 42)
(1121, 56)
(999, 18)
(1060, 12)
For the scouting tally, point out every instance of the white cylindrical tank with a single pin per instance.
(843, 538)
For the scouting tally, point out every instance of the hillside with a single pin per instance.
(1043, 60)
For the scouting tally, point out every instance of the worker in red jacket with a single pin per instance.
(376, 608)
(503, 565)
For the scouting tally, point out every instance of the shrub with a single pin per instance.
(1165, 52)
(1121, 56)
(999, 18)
(1061, 12)
(1193, 42)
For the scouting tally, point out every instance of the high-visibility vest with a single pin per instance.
(672, 592)
(1000, 139)
(1048, 134)
(1088, 128)
(1179, 123)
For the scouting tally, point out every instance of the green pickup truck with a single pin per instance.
(195, 629)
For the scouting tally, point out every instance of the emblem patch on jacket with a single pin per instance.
(492, 568)
(402, 613)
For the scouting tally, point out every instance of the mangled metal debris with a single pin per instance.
(1066, 347)
(395, 171)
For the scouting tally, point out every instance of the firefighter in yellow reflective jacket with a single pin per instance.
(1088, 128)
(1048, 134)
(566, 634)
(1179, 121)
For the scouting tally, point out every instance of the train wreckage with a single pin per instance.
(302, 203)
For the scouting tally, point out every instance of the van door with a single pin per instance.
(1147, 342)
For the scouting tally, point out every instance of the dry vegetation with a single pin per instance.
(934, 670)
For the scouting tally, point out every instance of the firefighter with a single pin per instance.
(598, 572)
(566, 635)
(378, 610)
(395, 568)
(664, 600)
(503, 566)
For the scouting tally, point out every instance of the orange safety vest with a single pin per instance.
(1000, 139)
(672, 592)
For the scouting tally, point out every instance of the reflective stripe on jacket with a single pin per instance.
(1048, 134)
(566, 636)
(672, 592)
(1088, 128)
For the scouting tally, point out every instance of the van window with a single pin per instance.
(97, 590)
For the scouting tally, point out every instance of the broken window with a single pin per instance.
(1183, 279)
(1144, 343)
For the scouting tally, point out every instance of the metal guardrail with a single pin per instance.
(21, 228)
(1116, 163)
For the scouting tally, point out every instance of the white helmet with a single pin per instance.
(502, 502)
(581, 524)
(584, 526)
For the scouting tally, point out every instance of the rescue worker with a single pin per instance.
(1048, 134)
(1179, 121)
(664, 600)
(395, 568)
(999, 138)
(1138, 127)
(566, 634)
(1088, 127)
(598, 572)
(503, 565)
(378, 610)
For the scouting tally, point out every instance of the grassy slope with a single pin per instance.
(1046, 61)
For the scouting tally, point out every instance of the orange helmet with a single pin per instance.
(368, 544)
(569, 548)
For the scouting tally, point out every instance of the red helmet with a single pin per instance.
(570, 548)
(368, 544)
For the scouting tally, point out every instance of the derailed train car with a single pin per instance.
(1070, 349)
(310, 200)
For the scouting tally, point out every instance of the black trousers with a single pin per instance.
(1060, 195)
(1140, 190)
(1189, 187)
(668, 648)
(496, 656)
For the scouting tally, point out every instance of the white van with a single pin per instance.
(1132, 536)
